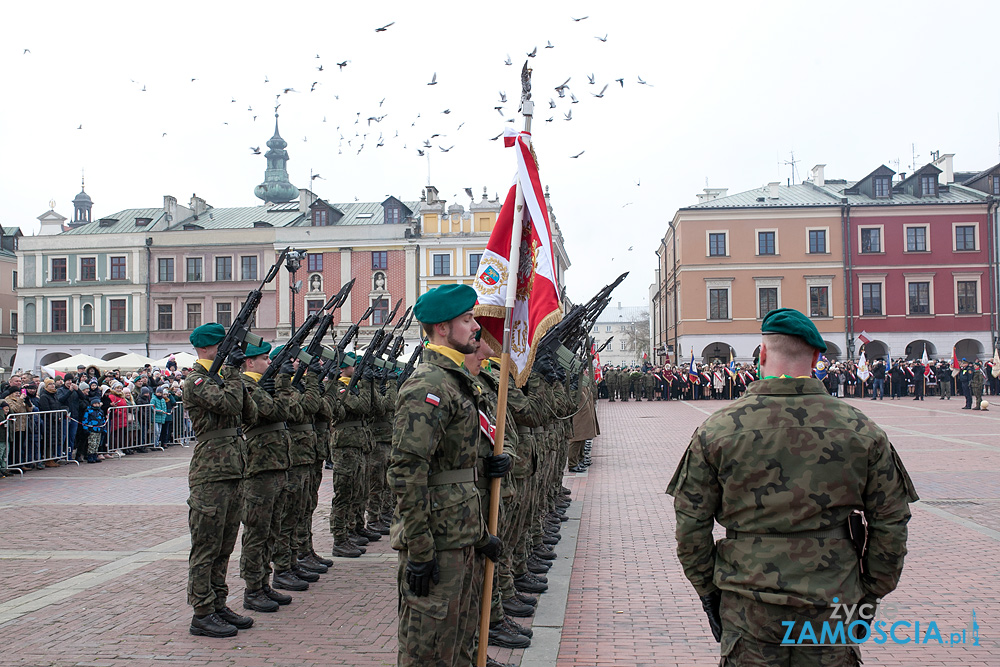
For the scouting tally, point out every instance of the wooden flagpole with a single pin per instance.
(514, 257)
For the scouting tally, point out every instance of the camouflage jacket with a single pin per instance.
(489, 386)
(329, 410)
(527, 410)
(381, 426)
(787, 458)
(978, 380)
(436, 430)
(269, 451)
(304, 449)
(352, 432)
(212, 408)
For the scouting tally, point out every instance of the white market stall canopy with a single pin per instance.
(183, 359)
(128, 362)
(70, 363)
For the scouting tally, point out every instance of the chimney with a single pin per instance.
(818, 178)
(170, 208)
(712, 193)
(306, 198)
(946, 164)
(198, 204)
(773, 189)
(432, 195)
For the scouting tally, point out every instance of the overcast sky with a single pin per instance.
(733, 88)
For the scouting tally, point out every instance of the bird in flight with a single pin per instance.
(549, 45)
(79, 127)
(579, 19)
(561, 88)
(573, 97)
(320, 68)
(26, 52)
(434, 80)
(630, 248)
(508, 61)
(552, 103)
(590, 78)
(603, 39)
(289, 90)
(499, 110)
(643, 82)
(549, 119)
(533, 53)
(621, 81)
(311, 88)
(569, 115)
(420, 152)
(496, 137)
(503, 96)
(446, 111)
(445, 150)
(468, 191)
(385, 27)
(343, 64)
(577, 155)
(601, 94)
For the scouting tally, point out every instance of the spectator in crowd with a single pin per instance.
(16, 406)
(159, 414)
(3, 438)
(94, 425)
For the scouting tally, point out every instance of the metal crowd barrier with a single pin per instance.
(131, 427)
(36, 437)
(183, 433)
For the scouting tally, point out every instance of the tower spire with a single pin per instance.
(276, 187)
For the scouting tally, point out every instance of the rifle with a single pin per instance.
(392, 344)
(316, 350)
(239, 333)
(601, 348)
(336, 356)
(373, 349)
(565, 338)
(412, 363)
(292, 347)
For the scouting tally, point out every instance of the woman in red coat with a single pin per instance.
(117, 419)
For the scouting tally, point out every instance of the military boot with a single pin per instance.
(550, 539)
(278, 597)
(234, 619)
(544, 553)
(346, 549)
(521, 630)
(370, 535)
(526, 599)
(305, 575)
(307, 563)
(538, 566)
(490, 662)
(359, 540)
(502, 635)
(514, 607)
(320, 559)
(258, 601)
(211, 625)
(289, 582)
(525, 585)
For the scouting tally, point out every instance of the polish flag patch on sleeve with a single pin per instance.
(198, 381)
(433, 400)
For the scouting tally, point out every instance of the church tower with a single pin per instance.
(82, 204)
(276, 188)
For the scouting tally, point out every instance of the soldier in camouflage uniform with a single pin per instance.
(379, 497)
(782, 469)
(437, 526)
(214, 478)
(648, 385)
(611, 380)
(267, 446)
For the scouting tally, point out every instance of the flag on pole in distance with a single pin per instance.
(598, 371)
(926, 362)
(955, 368)
(995, 372)
(731, 368)
(863, 370)
(821, 367)
(863, 337)
(692, 371)
(537, 306)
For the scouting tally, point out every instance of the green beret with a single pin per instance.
(791, 322)
(207, 335)
(444, 303)
(257, 350)
(350, 358)
(275, 351)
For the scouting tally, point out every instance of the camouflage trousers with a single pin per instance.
(379, 495)
(511, 529)
(348, 469)
(261, 525)
(292, 508)
(752, 633)
(439, 630)
(214, 519)
(302, 540)
(496, 599)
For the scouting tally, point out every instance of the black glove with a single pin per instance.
(711, 603)
(491, 549)
(369, 373)
(236, 358)
(287, 367)
(543, 365)
(498, 465)
(268, 386)
(420, 575)
(315, 366)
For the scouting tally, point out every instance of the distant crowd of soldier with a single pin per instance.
(665, 383)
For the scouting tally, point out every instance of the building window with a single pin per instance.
(58, 270)
(116, 315)
(87, 315)
(474, 259)
(13, 279)
(996, 184)
(767, 298)
(819, 301)
(871, 298)
(608, 329)
(118, 268)
(717, 245)
(165, 269)
(965, 237)
(380, 260)
(13, 324)
(392, 214)
(928, 185)
(624, 346)
(194, 270)
(313, 306)
(193, 315)
(916, 239)
(442, 265)
(718, 304)
(88, 268)
(58, 316)
(381, 311)
(920, 298)
(314, 262)
(224, 314)
(968, 297)
(871, 239)
(817, 241)
(164, 317)
(223, 268)
(765, 243)
(321, 217)
(248, 267)
(881, 186)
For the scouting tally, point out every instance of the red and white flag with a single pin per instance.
(863, 337)
(537, 306)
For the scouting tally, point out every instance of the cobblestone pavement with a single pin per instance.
(94, 560)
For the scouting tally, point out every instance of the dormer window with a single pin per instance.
(392, 215)
(321, 217)
(928, 185)
(880, 186)
(142, 222)
(995, 188)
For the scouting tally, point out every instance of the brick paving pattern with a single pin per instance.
(94, 560)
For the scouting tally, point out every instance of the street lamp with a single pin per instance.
(293, 260)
